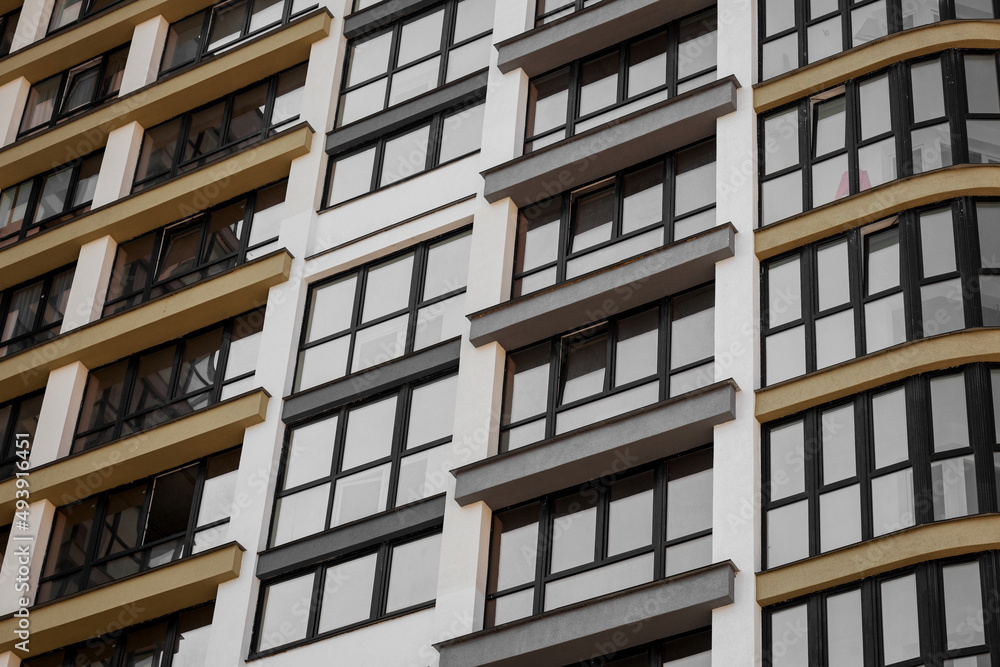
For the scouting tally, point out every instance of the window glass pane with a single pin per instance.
(114, 72)
(988, 215)
(928, 94)
(55, 193)
(414, 573)
(973, 9)
(423, 474)
(574, 531)
(875, 118)
(984, 144)
(414, 80)
(832, 271)
(889, 423)
(840, 518)
(779, 15)
(81, 86)
(839, 453)
(332, 305)
(647, 64)
(876, 163)
(790, 637)
(937, 242)
(183, 41)
(599, 581)
(405, 156)
(286, 611)
(834, 339)
(362, 102)
(432, 412)
(194, 630)
(780, 55)
(369, 433)
(932, 147)
(322, 363)
(41, 104)
(71, 533)
(146, 646)
(689, 495)
(784, 289)
(369, 58)
(781, 197)
(643, 198)
(22, 311)
(787, 534)
(462, 133)
(787, 460)
(694, 180)
(420, 38)
(781, 137)
(515, 540)
(265, 13)
(440, 321)
(152, 383)
(527, 383)
(379, 343)
(954, 484)
(247, 119)
(692, 330)
(831, 180)
(636, 349)
(300, 514)
(102, 402)
(598, 83)
(951, 423)
(204, 135)
(86, 183)
(227, 24)
(310, 452)
(696, 49)
(387, 288)
(884, 323)
(630, 520)
(942, 307)
(824, 39)
(921, 12)
(13, 207)
(158, 146)
(65, 12)
(472, 17)
(584, 359)
(981, 83)
(216, 501)
(538, 235)
(199, 362)
(786, 354)
(892, 502)
(592, 218)
(845, 635)
(509, 608)
(361, 494)
(882, 252)
(548, 98)
(288, 96)
(900, 628)
(347, 593)
(963, 605)
(351, 176)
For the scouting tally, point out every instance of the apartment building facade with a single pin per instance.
(456, 333)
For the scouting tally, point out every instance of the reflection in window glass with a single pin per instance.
(900, 627)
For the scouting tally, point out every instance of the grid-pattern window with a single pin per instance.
(32, 313)
(220, 128)
(547, 11)
(935, 613)
(169, 381)
(920, 273)
(68, 12)
(691, 649)
(912, 118)
(620, 216)
(46, 200)
(414, 55)
(616, 532)
(19, 416)
(609, 368)
(73, 91)
(910, 453)
(178, 640)
(196, 249)
(442, 138)
(141, 526)
(796, 33)
(223, 26)
(8, 26)
(390, 580)
(366, 458)
(628, 77)
(384, 310)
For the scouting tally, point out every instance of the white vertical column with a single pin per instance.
(118, 165)
(736, 628)
(13, 97)
(90, 283)
(33, 23)
(24, 557)
(144, 54)
(9, 659)
(60, 409)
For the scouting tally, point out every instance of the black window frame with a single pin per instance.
(568, 8)
(8, 27)
(180, 166)
(568, 129)
(981, 422)
(655, 651)
(207, 21)
(39, 332)
(203, 270)
(92, 559)
(563, 256)
(8, 445)
(86, 13)
(902, 123)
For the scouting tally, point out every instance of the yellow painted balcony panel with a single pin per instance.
(174, 443)
(228, 294)
(977, 180)
(150, 209)
(88, 38)
(160, 101)
(142, 597)
(922, 543)
(876, 369)
(875, 55)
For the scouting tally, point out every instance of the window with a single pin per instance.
(932, 613)
(178, 640)
(19, 416)
(196, 249)
(621, 216)
(170, 381)
(547, 11)
(138, 527)
(226, 25)
(610, 368)
(796, 33)
(366, 458)
(881, 461)
(415, 55)
(394, 579)
(220, 128)
(384, 310)
(68, 12)
(46, 200)
(8, 26)
(443, 138)
(32, 313)
(614, 83)
(692, 649)
(611, 534)
(914, 275)
(73, 91)
(914, 117)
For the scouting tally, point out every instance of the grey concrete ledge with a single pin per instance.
(608, 148)
(350, 537)
(597, 295)
(574, 633)
(588, 31)
(380, 15)
(591, 452)
(314, 402)
(466, 90)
